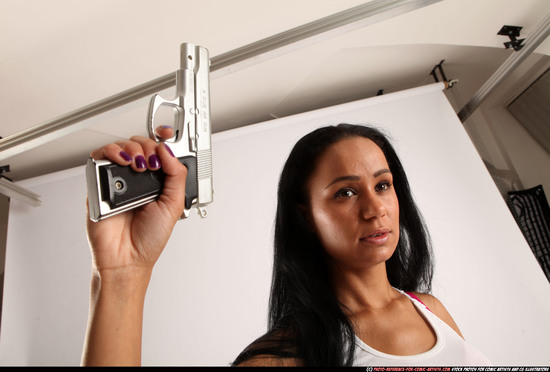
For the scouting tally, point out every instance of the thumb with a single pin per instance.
(173, 193)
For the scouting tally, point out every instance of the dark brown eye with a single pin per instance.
(345, 193)
(383, 186)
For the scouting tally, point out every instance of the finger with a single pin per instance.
(149, 151)
(136, 151)
(112, 152)
(173, 194)
(164, 132)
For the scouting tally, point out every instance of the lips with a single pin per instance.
(378, 236)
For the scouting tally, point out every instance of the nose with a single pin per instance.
(372, 206)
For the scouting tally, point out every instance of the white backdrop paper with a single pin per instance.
(208, 296)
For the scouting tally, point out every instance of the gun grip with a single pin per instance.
(121, 185)
(191, 182)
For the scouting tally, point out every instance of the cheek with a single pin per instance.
(330, 228)
(395, 211)
(395, 219)
(392, 204)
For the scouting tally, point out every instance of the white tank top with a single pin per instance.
(449, 350)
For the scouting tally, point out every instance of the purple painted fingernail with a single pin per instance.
(154, 161)
(125, 156)
(140, 162)
(168, 149)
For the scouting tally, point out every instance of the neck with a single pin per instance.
(368, 289)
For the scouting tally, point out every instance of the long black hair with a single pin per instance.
(306, 321)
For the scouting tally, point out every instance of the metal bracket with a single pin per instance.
(513, 33)
(4, 169)
(448, 83)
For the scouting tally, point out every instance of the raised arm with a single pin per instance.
(124, 250)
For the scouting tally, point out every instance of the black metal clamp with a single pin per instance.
(513, 33)
(439, 67)
(4, 169)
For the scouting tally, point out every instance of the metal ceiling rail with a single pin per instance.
(538, 35)
(338, 23)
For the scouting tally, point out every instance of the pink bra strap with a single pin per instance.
(417, 299)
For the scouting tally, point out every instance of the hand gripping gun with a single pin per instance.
(114, 189)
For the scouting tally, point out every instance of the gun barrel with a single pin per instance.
(196, 58)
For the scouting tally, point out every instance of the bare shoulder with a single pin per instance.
(438, 309)
(270, 361)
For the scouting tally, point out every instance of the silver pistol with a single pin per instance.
(114, 189)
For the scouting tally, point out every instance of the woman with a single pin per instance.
(348, 241)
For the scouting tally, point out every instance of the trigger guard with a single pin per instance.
(156, 102)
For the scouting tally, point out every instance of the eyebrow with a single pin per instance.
(357, 178)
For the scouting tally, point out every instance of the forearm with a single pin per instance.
(115, 320)
(124, 250)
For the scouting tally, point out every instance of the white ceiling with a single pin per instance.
(57, 56)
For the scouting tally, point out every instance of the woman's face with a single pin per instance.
(353, 207)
